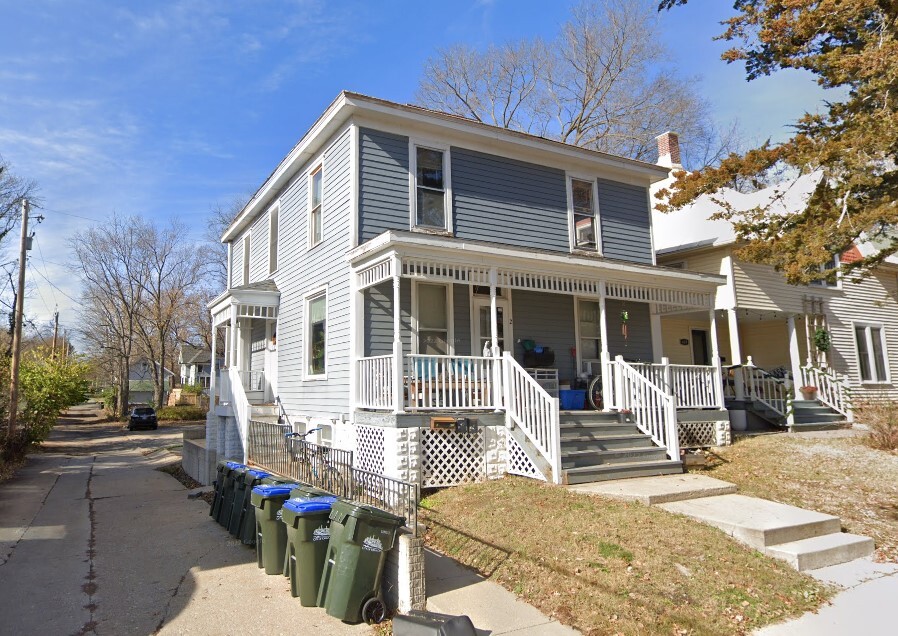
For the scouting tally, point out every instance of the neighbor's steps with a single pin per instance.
(811, 415)
(598, 447)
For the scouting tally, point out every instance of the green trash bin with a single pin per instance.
(271, 534)
(220, 472)
(243, 521)
(360, 538)
(306, 521)
(235, 470)
(304, 490)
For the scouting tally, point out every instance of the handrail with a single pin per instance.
(832, 390)
(252, 380)
(534, 411)
(241, 408)
(653, 409)
(695, 386)
(767, 389)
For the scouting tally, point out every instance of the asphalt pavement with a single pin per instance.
(95, 540)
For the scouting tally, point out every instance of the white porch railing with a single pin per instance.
(771, 391)
(375, 382)
(241, 408)
(452, 382)
(695, 386)
(252, 380)
(831, 389)
(534, 411)
(653, 409)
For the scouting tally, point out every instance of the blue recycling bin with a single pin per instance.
(572, 399)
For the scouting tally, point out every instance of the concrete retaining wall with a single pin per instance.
(196, 461)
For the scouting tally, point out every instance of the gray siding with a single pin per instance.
(258, 250)
(383, 179)
(303, 271)
(547, 319)
(625, 219)
(638, 343)
(508, 201)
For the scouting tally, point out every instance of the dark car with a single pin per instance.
(143, 417)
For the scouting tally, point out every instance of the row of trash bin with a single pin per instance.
(332, 550)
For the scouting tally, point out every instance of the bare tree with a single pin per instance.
(603, 83)
(220, 217)
(12, 190)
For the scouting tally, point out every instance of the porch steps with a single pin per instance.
(803, 538)
(811, 415)
(597, 447)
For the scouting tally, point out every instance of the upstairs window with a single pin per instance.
(871, 348)
(584, 213)
(832, 264)
(430, 189)
(246, 247)
(273, 241)
(316, 197)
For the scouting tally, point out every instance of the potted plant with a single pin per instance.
(808, 392)
(625, 416)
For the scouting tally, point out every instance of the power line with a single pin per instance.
(74, 300)
(41, 254)
(39, 293)
(77, 216)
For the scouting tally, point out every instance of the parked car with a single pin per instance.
(143, 417)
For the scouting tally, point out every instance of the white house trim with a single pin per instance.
(597, 217)
(867, 325)
(309, 296)
(450, 318)
(429, 144)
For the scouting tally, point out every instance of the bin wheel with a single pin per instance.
(374, 611)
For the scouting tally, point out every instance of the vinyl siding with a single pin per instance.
(258, 249)
(383, 183)
(762, 287)
(548, 320)
(637, 346)
(237, 261)
(673, 329)
(508, 201)
(301, 271)
(626, 221)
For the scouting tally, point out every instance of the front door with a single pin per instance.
(700, 347)
(481, 335)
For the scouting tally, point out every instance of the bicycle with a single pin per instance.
(314, 464)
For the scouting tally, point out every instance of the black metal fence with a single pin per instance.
(330, 469)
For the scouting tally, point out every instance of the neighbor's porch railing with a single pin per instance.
(653, 408)
(252, 380)
(831, 389)
(534, 411)
(695, 386)
(452, 382)
(771, 391)
(330, 469)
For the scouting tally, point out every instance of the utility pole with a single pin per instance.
(55, 330)
(17, 330)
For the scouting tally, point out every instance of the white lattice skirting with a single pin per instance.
(450, 458)
(704, 434)
(519, 463)
(370, 449)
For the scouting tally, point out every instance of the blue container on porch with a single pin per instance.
(572, 399)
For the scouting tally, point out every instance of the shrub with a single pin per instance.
(181, 413)
(882, 420)
(192, 389)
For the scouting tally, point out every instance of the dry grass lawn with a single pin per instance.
(607, 567)
(837, 475)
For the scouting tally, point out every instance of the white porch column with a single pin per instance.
(233, 334)
(738, 418)
(715, 359)
(494, 339)
(397, 338)
(606, 357)
(657, 338)
(213, 368)
(794, 356)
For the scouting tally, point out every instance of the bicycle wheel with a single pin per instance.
(594, 394)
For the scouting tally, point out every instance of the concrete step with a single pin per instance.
(757, 522)
(800, 427)
(815, 417)
(823, 551)
(576, 429)
(605, 442)
(581, 459)
(656, 490)
(588, 417)
(622, 471)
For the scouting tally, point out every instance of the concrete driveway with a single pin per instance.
(95, 540)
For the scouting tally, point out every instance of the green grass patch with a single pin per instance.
(181, 413)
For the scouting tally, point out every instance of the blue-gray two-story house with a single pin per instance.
(436, 294)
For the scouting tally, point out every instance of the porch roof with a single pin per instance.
(255, 300)
(435, 257)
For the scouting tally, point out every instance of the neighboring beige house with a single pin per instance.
(774, 325)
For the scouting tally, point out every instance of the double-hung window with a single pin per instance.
(316, 334)
(590, 332)
(433, 319)
(431, 186)
(316, 198)
(871, 352)
(584, 215)
(834, 263)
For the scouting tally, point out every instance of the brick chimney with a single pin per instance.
(669, 150)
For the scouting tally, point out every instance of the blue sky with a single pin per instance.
(164, 108)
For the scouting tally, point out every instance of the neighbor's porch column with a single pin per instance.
(738, 418)
(715, 359)
(234, 362)
(794, 356)
(396, 266)
(607, 395)
(494, 339)
(213, 367)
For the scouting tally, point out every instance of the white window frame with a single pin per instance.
(247, 250)
(867, 327)
(307, 337)
(580, 360)
(572, 230)
(274, 237)
(836, 260)
(413, 146)
(450, 309)
(319, 167)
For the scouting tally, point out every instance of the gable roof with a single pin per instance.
(195, 355)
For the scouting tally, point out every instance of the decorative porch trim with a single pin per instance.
(375, 273)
